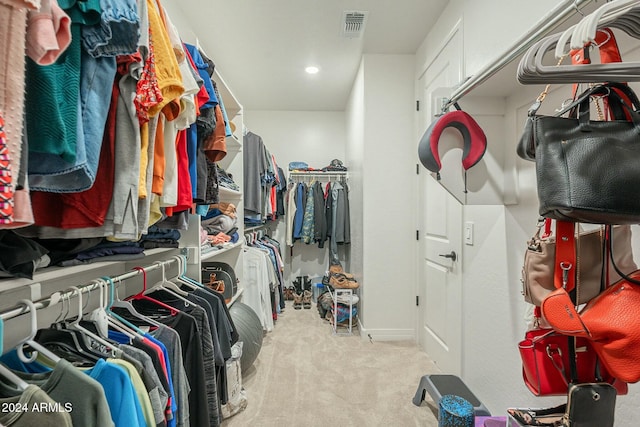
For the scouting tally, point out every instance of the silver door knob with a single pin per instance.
(452, 256)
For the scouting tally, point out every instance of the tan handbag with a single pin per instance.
(539, 260)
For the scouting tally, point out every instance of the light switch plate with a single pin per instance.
(468, 233)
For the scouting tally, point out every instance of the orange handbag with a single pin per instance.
(610, 321)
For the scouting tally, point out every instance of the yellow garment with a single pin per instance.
(144, 160)
(158, 158)
(141, 391)
(167, 68)
(155, 214)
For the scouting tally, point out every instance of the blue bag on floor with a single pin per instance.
(454, 411)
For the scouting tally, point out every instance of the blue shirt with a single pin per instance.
(123, 401)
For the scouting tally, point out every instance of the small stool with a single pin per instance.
(438, 385)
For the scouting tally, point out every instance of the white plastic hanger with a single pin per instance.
(115, 321)
(8, 374)
(531, 70)
(30, 339)
(183, 278)
(169, 287)
(167, 284)
(585, 31)
(15, 380)
(112, 350)
(126, 305)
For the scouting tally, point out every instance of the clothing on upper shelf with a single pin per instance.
(137, 115)
(13, 19)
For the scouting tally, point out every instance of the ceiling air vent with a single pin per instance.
(353, 23)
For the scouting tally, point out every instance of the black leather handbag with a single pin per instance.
(587, 171)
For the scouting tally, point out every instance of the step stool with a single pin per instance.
(438, 385)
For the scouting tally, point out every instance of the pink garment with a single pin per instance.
(6, 183)
(13, 25)
(48, 33)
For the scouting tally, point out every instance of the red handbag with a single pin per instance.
(545, 363)
(547, 368)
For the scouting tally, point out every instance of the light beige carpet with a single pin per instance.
(306, 376)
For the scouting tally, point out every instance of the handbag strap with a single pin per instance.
(608, 235)
(564, 277)
(565, 262)
(607, 45)
(547, 228)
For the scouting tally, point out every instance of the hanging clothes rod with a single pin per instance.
(333, 174)
(553, 19)
(257, 227)
(47, 302)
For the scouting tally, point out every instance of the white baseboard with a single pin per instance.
(386, 334)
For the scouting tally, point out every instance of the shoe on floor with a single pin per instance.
(306, 299)
(297, 301)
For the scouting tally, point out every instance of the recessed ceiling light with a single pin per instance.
(312, 70)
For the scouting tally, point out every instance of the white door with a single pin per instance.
(440, 281)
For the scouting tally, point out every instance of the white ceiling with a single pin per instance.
(261, 47)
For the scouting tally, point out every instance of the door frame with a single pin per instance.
(422, 122)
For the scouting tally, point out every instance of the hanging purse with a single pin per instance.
(610, 321)
(551, 360)
(609, 51)
(590, 405)
(546, 364)
(539, 260)
(575, 156)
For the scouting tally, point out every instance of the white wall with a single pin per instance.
(314, 137)
(491, 26)
(388, 177)
(355, 116)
